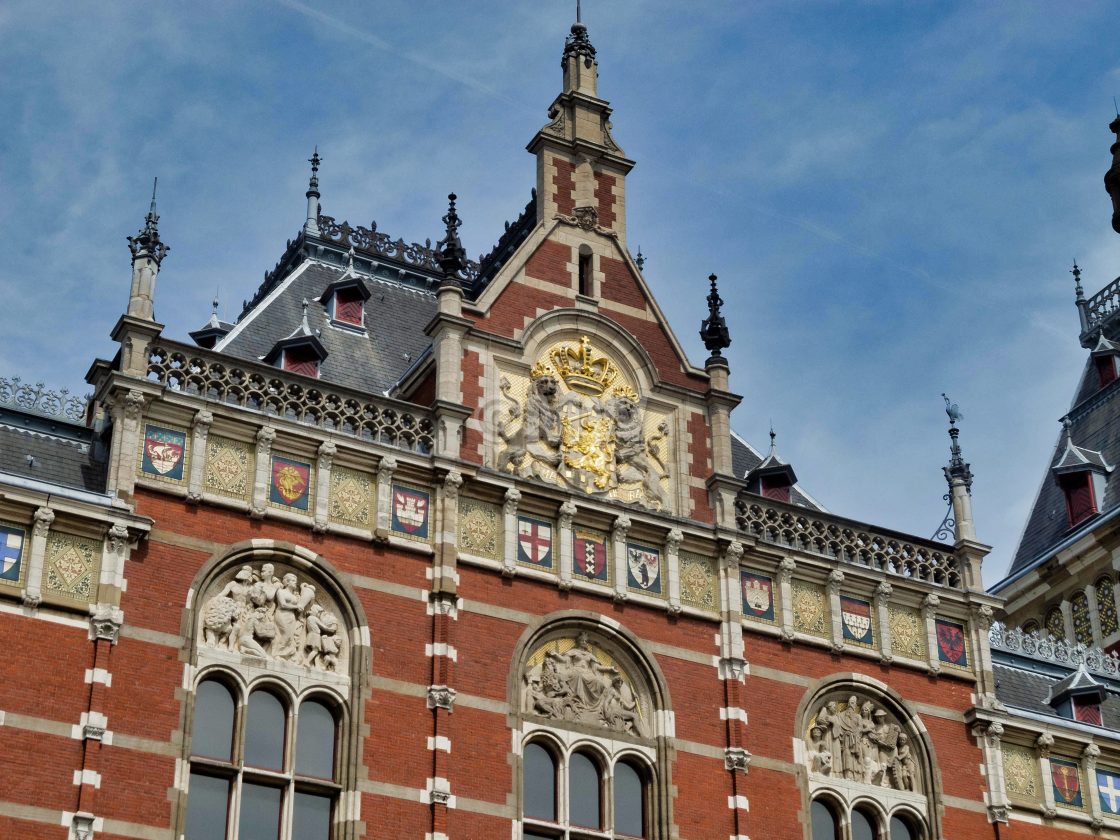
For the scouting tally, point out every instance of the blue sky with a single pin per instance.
(891, 192)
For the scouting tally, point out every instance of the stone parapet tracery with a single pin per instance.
(1046, 647)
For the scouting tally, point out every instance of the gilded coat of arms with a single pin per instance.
(581, 425)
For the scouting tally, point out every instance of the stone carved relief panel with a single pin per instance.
(70, 566)
(274, 614)
(908, 632)
(810, 609)
(480, 529)
(351, 497)
(576, 680)
(229, 467)
(699, 581)
(1020, 772)
(853, 738)
(575, 421)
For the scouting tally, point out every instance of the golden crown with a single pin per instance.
(540, 369)
(582, 369)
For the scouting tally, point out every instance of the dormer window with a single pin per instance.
(1081, 501)
(1106, 369)
(301, 352)
(776, 487)
(773, 478)
(1078, 697)
(348, 307)
(1086, 711)
(301, 360)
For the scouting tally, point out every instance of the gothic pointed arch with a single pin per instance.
(866, 753)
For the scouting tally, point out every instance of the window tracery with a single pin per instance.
(1055, 623)
(1106, 607)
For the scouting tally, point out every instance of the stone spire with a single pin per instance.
(1112, 176)
(581, 170)
(311, 226)
(713, 331)
(148, 252)
(1079, 300)
(450, 253)
(959, 477)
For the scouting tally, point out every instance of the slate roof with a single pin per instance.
(1094, 427)
(60, 453)
(370, 361)
(1025, 683)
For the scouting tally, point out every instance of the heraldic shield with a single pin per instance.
(1066, 778)
(951, 644)
(758, 596)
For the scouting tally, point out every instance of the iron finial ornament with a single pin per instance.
(640, 259)
(577, 43)
(579, 19)
(713, 331)
(1076, 272)
(957, 470)
(450, 253)
(313, 184)
(773, 440)
(147, 243)
(1112, 176)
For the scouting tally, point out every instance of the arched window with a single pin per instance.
(1082, 625)
(869, 767)
(1106, 607)
(1031, 626)
(1055, 623)
(254, 785)
(270, 711)
(589, 769)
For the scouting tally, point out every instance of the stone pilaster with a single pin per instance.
(785, 592)
(509, 524)
(835, 581)
(327, 450)
(1089, 757)
(33, 594)
(988, 735)
(619, 532)
(385, 471)
(673, 569)
(568, 512)
(262, 478)
(929, 614)
(1044, 743)
(200, 431)
(127, 410)
(880, 604)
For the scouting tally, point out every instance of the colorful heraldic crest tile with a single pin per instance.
(855, 616)
(758, 597)
(480, 529)
(590, 560)
(70, 566)
(643, 568)
(411, 515)
(229, 467)
(698, 581)
(1108, 789)
(1066, 778)
(11, 553)
(164, 454)
(951, 646)
(350, 497)
(534, 542)
(289, 483)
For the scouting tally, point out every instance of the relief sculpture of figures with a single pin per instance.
(576, 686)
(581, 426)
(258, 614)
(861, 743)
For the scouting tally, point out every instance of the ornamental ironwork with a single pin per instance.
(265, 389)
(1044, 646)
(372, 241)
(847, 542)
(37, 399)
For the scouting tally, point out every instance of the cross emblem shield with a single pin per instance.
(534, 542)
(11, 552)
(1108, 787)
(590, 560)
(1067, 783)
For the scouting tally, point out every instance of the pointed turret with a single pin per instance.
(581, 171)
(450, 252)
(311, 226)
(773, 477)
(148, 252)
(1079, 300)
(713, 330)
(213, 330)
(1112, 176)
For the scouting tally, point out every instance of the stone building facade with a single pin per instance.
(422, 547)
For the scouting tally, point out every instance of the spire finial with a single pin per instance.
(713, 331)
(304, 326)
(311, 223)
(450, 253)
(1112, 176)
(314, 160)
(579, 19)
(640, 259)
(1076, 272)
(773, 439)
(958, 470)
(147, 243)
(350, 260)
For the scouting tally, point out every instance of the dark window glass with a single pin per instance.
(628, 806)
(585, 274)
(212, 732)
(530, 836)
(311, 817)
(264, 732)
(584, 808)
(260, 813)
(863, 826)
(900, 830)
(540, 783)
(207, 806)
(1080, 499)
(824, 823)
(315, 741)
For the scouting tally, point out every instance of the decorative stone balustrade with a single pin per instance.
(847, 541)
(274, 392)
(1059, 651)
(36, 399)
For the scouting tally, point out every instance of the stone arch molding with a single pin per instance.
(277, 604)
(589, 676)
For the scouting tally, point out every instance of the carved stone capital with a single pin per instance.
(835, 579)
(982, 614)
(82, 826)
(202, 422)
(441, 697)
(786, 569)
(1044, 742)
(257, 512)
(934, 668)
(991, 733)
(44, 516)
(1091, 753)
(1096, 823)
(621, 527)
(837, 647)
(93, 733)
(999, 813)
(117, 538)
(673, 540)
(673, 609)
(568, 512)
(1050, 813)
(886, 658)
(930, 604)
(133, 404)
(451, 484)
(194, 497)
(105, 622)
(788, 635)
(320, 525)
(441, 797)
(386, 468)
(31, 599)
(737, 759)
(735, 550)
(732, 667)
(512, 499)
(445, 603)
(883, 591)
(327, 450)
(621, 597)
(265, 436)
